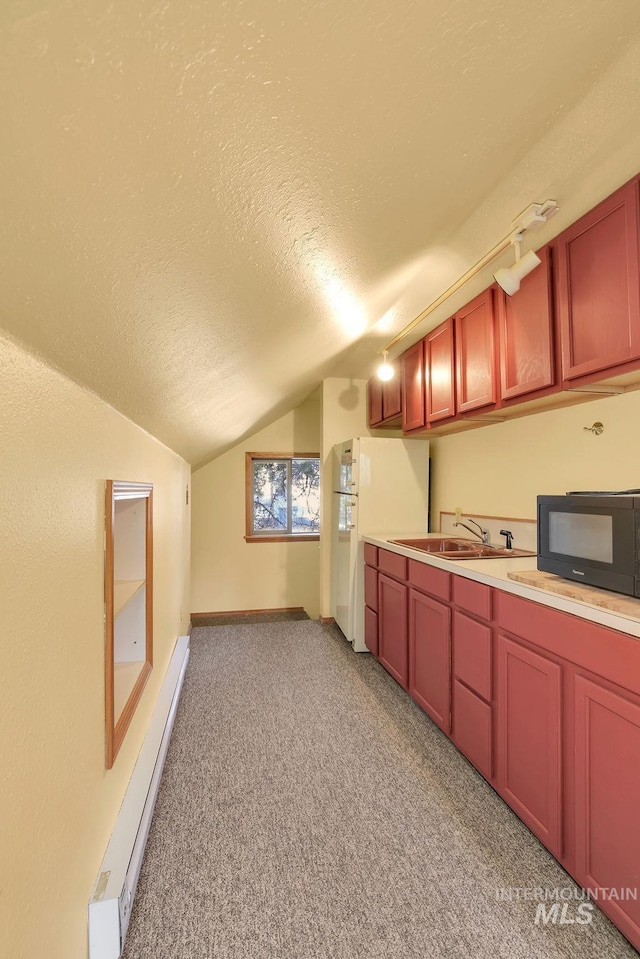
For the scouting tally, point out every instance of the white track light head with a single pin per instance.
(510, 277)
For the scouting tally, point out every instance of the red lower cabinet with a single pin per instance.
(430, 657)
(392, 627)
(472, 728)
(371, 588)
(472, 658)
(371, 630)
(607, 800)
(536, 699)
(472, 667)
(529, 739)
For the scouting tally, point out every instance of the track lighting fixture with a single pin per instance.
(510, 277)
(535, 215)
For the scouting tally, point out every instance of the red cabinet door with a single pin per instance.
(472, 728)
(374, 398)
(529, 745)
(413, 405)
(525, 323)
(392, 395)
(439, 362)
(430, 657)
(392, 627)
(607, 789)
(475, 353)
(599, 286)
(371, 630)
(384, 399)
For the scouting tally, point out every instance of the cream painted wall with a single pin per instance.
(57, 803)
(499, 470)
(344, 416)
(229, 573)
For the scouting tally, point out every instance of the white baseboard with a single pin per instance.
(115, 887)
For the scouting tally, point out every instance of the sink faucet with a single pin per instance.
(484, 534)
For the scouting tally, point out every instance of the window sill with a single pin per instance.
(293, 538)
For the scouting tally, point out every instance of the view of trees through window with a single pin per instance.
(285, 495)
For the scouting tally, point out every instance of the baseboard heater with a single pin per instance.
(115, 887)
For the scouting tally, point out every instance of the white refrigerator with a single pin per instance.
(379, 486)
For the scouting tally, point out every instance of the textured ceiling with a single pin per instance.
(206, 207)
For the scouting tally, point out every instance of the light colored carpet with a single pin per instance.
(309, 810)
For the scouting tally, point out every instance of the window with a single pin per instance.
(283, 496)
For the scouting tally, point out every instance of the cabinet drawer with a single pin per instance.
(371, 630)
(472, 728)
(430, 580)
(392, 563)
(370, 554)
(606, 652)
(472, 654)
(371, 588)
(472, 596)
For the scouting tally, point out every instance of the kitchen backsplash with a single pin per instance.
(524, 530)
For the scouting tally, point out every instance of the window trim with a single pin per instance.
(250, 536)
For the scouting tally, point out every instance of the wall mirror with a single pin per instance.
(128, 591)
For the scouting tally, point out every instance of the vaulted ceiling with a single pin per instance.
(209, 207)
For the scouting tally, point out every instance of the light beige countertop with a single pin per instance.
(495, 572)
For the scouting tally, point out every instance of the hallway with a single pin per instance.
(309, 810)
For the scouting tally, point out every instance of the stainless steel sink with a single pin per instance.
(447, 547)
(437, 544)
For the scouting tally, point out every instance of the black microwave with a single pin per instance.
(592, 538)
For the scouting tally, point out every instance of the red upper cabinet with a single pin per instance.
(599, 287)
(374, 397)
(384, 399)
(525, 325)
(439, 364)
(475, 353)
(413, 388)
(392, 395)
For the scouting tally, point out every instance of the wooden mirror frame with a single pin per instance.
(117, 595)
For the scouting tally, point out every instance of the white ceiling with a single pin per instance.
(207, 207)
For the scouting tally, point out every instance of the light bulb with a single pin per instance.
(385, 370)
